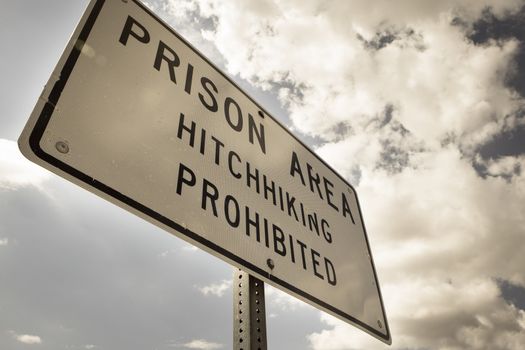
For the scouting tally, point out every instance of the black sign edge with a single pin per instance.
(47, 112)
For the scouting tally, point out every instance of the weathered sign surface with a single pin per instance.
(135, 114)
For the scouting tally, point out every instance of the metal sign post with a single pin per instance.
(249, 314)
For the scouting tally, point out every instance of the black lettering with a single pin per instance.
(252, 176)
(218, 145)
(190, 129)
(292, 252)
(330, 272)
(232, 155)
(252, 128)
(253, 223)
(328, 186)
(213, 195)
(303, 247)
(182, 179)
(189, 79)
(278, 240)
(128, 30)
(313, 178)
(173, 62)
(202, 148)
(227, 103)
(236, 214)
(266, 233)
(270, 189)
(324, 227)
(313, 223)
(315, 263)
(281, 200)
(295, 167)
(346, 207)
(302, 214)
(290, 205)
(206, 84)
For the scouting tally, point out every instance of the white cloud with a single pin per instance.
(284, 301)
(27, 338)
(190, 248)
(216, 289)
(4, 242)
(439, 83)
(16, 170)
(202, 345)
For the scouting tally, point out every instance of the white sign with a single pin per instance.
(138, 116)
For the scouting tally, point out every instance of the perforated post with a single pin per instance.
(249, 312)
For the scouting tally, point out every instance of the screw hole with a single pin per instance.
(62, 147)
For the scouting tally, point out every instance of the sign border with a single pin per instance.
(43, 118)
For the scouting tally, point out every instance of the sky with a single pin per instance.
(420, 105)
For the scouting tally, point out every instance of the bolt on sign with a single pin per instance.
(135, 114)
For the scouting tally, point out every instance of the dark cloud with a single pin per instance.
(509, 143)
(513, 293)
(405, 37)
(490, 27)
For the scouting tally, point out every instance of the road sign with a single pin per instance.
(135, 114)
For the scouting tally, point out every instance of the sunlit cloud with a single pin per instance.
(216, 289)
(202, 345)
(16, 171)
(27, 338)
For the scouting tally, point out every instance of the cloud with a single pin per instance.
(27, 338)
(216, 289)
(15, 170)
(203, 345)
(284, 301)
(426, 69)
(4, 242)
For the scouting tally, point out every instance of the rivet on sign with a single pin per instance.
(62, 147)
(270, 263)
(379, 324)
(261, 114)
